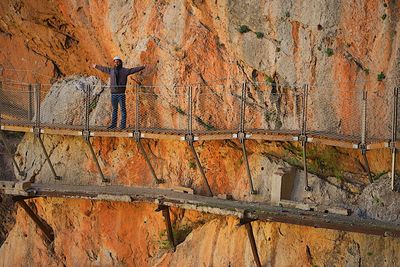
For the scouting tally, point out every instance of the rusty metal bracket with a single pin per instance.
(43, 226)
(39, 138)
(198, 163)
(242, 138)
(94, 157)
(137, 137)
(363, 148)
(168, 224)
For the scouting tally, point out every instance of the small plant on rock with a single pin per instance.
(381, 76)
(269, 79)
(244, 28)
(329, 52)
(260, 35)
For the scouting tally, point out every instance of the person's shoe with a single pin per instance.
(122, 127)
(111, 127)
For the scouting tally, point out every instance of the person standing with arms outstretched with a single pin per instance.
(118, 78)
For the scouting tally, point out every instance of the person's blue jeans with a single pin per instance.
(115, 100)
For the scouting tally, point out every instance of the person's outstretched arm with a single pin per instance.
(102, 68)
(136, 69)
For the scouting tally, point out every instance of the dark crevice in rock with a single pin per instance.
(309, 256)
(5, 33)
(356, 61)
(70, 41)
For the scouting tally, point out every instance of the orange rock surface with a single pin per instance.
(338, 48)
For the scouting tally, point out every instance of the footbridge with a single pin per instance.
(354, 118)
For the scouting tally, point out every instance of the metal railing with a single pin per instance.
(358, 116)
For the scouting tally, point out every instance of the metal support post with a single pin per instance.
(303, 136)
(8, 150)
(146, 158)
(86, 135)
(87, 107)
(242, 107)
(103, 179)
(250, 235)
(37, 131)
(43, 226)
(203, 175)
(37, 134)
(363, 144)
(394, 136)
(137, 136)
(168, 224)
(190, 141)
(37, 105)
(190, 109)
(137, 114)
(246, 160)
(242, 138)
(1, 100)
(30, 102)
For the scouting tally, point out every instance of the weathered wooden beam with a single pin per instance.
(168, 224)
(240, 209)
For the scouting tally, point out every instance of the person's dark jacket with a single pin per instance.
(118, 86)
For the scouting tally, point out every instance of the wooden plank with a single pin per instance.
(111, 134)
(162, 136)
(215, 137)
(12, 128)
(337, 143)
(377, 145)
(272, 137)
(61, 132)
(241, 209)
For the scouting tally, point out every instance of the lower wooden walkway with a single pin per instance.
(240, 209)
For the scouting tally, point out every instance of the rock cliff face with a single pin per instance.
(337, 47)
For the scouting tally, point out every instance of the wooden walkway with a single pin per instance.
(240, 209)
(323, 138)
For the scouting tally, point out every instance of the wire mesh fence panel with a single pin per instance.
(16, 102)
(272, 107)
(130, 99)
(112, 111)
(62, 105)
(337, 114)
(379, 111)
(216, 108)
(162, 108)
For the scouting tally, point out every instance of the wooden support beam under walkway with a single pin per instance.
(239, 209)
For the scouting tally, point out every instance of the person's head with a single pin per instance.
(117, 61)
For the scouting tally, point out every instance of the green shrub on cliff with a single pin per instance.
(244, 28)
